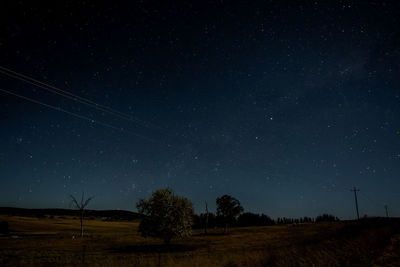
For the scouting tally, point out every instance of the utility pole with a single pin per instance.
(387, 215)
(355, 198)
(206, 223)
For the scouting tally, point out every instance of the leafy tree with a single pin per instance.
(81, 206)
(229, 208)
(166, 216)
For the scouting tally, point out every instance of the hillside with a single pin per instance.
(118, 215)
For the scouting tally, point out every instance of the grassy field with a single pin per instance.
(56, 241)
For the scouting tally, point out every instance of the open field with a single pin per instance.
(49, 242)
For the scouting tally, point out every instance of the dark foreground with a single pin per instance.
(54, 240)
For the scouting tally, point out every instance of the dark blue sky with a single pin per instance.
(284, 106)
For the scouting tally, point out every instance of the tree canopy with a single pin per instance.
(166, 215)
(229, 208)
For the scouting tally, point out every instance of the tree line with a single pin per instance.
(167, 216)
(253, 219)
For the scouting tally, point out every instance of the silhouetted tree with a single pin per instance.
(229, 208)
(285, 220)
(166, 216)
(252, 219)
(81, 206)
(326, 218)
(199, 220)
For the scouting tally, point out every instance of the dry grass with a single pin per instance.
(49, 242)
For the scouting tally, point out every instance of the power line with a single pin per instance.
(64, 94)
(74, 114)
(83, 100)
(74, 97)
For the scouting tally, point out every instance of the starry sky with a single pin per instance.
(285, 105)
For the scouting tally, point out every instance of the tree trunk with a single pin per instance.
(82, 224)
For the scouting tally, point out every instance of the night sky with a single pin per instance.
(284, 106)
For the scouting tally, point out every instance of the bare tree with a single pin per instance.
(81, 206)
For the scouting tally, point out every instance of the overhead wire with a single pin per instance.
(85, 101)
(75, 97)
(74, 114)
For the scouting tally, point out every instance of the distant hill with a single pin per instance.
(112, 215)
